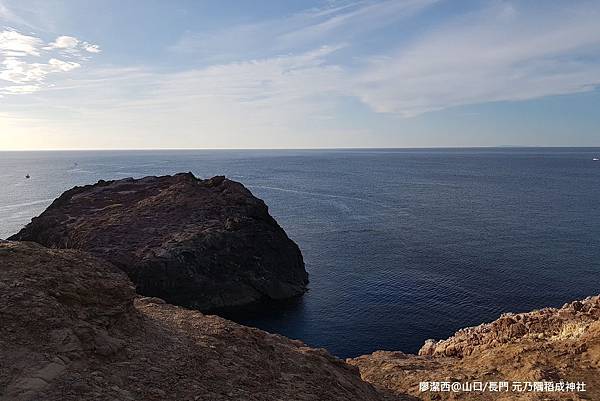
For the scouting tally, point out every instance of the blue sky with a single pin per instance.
(298, 74)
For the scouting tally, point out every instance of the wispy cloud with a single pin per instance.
(349, 21)
(269, 93)
(8, 16)
(502, 53)
(300, 31)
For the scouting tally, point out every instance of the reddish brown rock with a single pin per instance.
(509, 328)
(73, 329)
(205, 244)
(544, 345)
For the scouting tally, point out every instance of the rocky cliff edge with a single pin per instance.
(548, 345)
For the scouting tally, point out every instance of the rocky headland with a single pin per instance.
(206, 244)
(73, 328)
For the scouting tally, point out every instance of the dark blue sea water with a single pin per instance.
(400, 245)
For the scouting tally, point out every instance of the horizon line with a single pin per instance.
(315, 148)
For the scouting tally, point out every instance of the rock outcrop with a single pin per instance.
(547, 345)
(205, 244)
(73, 328)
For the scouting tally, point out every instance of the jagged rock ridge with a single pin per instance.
(544, 345)
(206, 244)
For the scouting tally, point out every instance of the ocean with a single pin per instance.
(401, 245)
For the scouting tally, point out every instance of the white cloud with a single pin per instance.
(64, 42)
(18, 71)
(25, 61)
(70, 44)
(20, 89)
(59, 65)
(13, 43)
(91, 48)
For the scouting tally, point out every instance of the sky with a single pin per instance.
(137, 74)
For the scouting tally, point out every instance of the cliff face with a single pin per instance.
(544, 345)
(206, 244)
(74, 329)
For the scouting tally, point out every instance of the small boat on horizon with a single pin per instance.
(595, 159)
(27, 176)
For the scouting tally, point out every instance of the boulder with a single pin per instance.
(206, 244)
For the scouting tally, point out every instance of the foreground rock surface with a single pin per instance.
(206, 244)
(73, 329)
(544, 345)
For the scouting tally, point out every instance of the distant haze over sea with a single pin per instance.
(401, 244)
